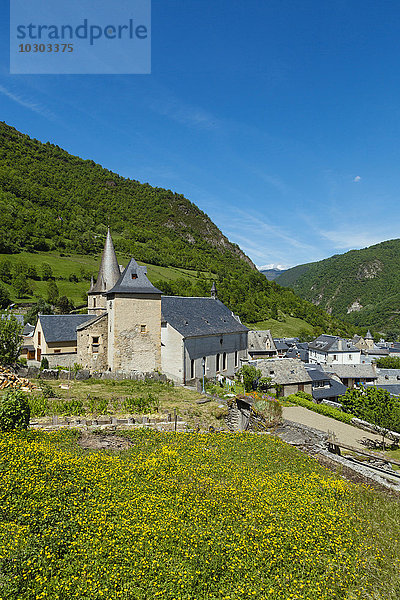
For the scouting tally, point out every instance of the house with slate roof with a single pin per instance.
(325, 387)
(353, 375)
(200, 335)
(331, 349)
(261, 344)
(130, 327)
(289, 373)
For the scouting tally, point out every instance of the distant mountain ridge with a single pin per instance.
(360, 286)
(272, 274)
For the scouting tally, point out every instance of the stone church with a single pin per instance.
(132, 328)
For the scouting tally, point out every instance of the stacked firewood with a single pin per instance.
(9, 380)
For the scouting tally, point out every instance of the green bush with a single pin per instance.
(321, 409)
(142, 404)
(14, 411)
(44, 364)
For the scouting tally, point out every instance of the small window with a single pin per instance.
(224, 361)
(95, 340)
(57, 351)
(350, 357)
(95, 348)
(217, 363)
(192, 369)
(39, 337)
(134, 276)
(143, 329)
(335, 357)
(94, 302)
(236, 358)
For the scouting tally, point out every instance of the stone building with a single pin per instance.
(130, 327)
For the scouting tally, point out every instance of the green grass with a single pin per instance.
(188, 517)
(64, 266)
(290, 327)
(95, 397)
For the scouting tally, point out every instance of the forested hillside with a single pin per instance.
(361, 286)
(54, 203)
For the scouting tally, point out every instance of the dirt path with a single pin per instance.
(347, 434)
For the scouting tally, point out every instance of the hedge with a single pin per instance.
(321, 409)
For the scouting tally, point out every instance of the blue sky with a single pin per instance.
(280, 119)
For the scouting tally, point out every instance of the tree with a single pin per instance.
(376, 406)
(249, 375)
(14, 411)
(388, 362)
(64, 305)
(4, 297)
(6, 272)
(47, 272)
(22, 287)
(52, 292)
(10, 339)
(41, 307)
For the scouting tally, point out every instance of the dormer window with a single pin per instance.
(134, 276)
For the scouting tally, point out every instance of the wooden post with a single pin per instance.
(175, 419)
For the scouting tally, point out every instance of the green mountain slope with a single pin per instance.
(361, 286)
(56, 207)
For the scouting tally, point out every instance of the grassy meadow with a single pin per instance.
(188, 517)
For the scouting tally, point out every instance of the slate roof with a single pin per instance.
(199, 316)
(62, 328)
(297, 352)
(360, 371)
(279, 345)
(28, 330)
(334, 390)
(133, 281)
(332, 343)
(257, 341)
(284, 370)
(109, 269)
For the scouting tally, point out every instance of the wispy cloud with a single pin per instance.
(346, 239)
(27, 103)
(184, 113)
(357, 179)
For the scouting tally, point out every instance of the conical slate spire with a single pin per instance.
(369, 335)
(109, 272)
(213, 290)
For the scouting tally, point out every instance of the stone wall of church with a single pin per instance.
(92, 345)
(97, 304)
(135, 336)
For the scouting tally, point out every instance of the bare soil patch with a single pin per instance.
(104, 442)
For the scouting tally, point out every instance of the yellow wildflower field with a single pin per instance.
(184, 517)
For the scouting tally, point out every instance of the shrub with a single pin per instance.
(14, 411)
(44, 364)
(321, 409)
(141, 404)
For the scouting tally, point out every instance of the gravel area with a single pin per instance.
(347, 434)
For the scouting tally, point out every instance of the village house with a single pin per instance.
(331, 349)
(289, 374)
(325, 387)
(261, 345)
(131, 328)
(353, 375)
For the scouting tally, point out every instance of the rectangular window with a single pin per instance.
(39, 337)
(134, 276)
(95, 340)
(94, 302)
(143, 329)
(350, 357)
(335, 357)
(236, 358)
(224, 361)
(192, 369)
(217, 363)
(57, 351)
(95, 348)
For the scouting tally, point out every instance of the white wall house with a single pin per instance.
(197, 329)
(331, 349)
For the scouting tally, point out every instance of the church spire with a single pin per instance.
(109, 270)
(214, 290)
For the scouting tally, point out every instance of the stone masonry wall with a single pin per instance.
(94, 361)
